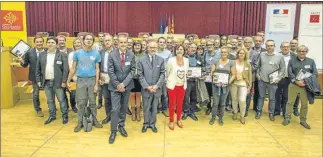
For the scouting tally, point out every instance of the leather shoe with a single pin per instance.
(154, 129)
(184, 116)
(286, 120)
(74, 109)
(193, 116)
(129, 112)
(258, 115)
(296, 113)
(50, 119)
(97, 124)
(276, 114)
(208, 111)
(212, 121)
(112, 137)
(78, 128)
(272, 117)
(196, 109)
(165, 112)
(65, 120)
(305, 125)
(144, 129)
(246, 114)
(220, 121)
(106, 120)
(123, 132)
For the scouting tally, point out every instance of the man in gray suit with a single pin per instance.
(151, 71)
(121, 68)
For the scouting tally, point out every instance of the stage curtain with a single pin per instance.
(202, 18)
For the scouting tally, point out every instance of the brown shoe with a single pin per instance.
(242, 120)
(40, 114)
(235, 116)
(97, 124)
(180, 124)
(133, 116)
(138, 114)
(78, 128)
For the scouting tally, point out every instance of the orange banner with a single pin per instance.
(11, 20)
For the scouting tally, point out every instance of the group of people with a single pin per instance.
(155, 75)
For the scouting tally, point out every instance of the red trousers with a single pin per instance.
(176, 96)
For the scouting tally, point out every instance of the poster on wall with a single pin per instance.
(312, 23)
(280, 20)
(11, 20)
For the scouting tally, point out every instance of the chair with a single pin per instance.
(82, 34)
(42, 34)
(194, 35)
(123, 34)
(232, 37)
(142, 34)
(66, 34)
(214, 36)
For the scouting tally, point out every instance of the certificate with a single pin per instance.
(20, 49)
(105, 77)
(273, 77)
(194, 72)
(302, 74)
(220, 78)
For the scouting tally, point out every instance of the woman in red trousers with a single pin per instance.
(176, 70)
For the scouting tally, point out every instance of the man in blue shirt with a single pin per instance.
(86, 61)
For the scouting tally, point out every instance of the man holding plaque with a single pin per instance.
(194, 73)
(270, 70)
(151, 71)
(297, 87)
(30, 58)
(104, 77)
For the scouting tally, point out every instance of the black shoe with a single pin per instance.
(258, 115)
(272, 117)
(78, 128)
(129, 112)
(212, 121)
(97, 124)
(123, 132)
(106, 120)
(184, 116)
(208, 111)
(154, 129)
(50, 119)
(305, 125)
(112, 137)
(286, 120)
(220, 121)
(193, 116)
(296, 113)
(144, 129)
(196, 109)
(74, 109)
(246, 114)
(65, 120)
(276, 114)
(99, 106)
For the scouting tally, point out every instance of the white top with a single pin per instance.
(286, 59)
(239, 68)
(37, 52)
(70, 63)
(105, 66)
(49, 71)
(180, 75)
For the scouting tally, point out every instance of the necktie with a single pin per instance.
(152, 60)
(122, 60)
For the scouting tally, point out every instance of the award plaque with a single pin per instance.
(302, 74)
(20, 49)
(208, 77)
(194, 72)
(220, 78)
(273, 77)
(106, 78)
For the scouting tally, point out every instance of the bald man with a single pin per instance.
(151, 70)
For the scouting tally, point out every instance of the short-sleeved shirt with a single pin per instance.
(86, 62)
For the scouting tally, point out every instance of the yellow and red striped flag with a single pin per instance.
(172, 27)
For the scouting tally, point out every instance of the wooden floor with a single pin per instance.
(23, 135)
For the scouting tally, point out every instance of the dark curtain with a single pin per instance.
(202, 18)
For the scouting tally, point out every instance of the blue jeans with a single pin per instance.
(271, 93)
(219, 98)
(51, 91)
(164, 98)
(36, 97)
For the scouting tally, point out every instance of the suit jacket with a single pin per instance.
(60, 68)
(30, 58)
(117, 74)
(246, 74)
(171, 73)
(102, 54)
(150, 75)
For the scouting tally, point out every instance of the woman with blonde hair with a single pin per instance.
(241, 83)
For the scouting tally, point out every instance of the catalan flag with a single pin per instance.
(172, 28)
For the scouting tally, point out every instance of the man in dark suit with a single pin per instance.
(151, 71)
(254, 53)
(30, 58)
(104, 81)
(51, 73)
(121, 68)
